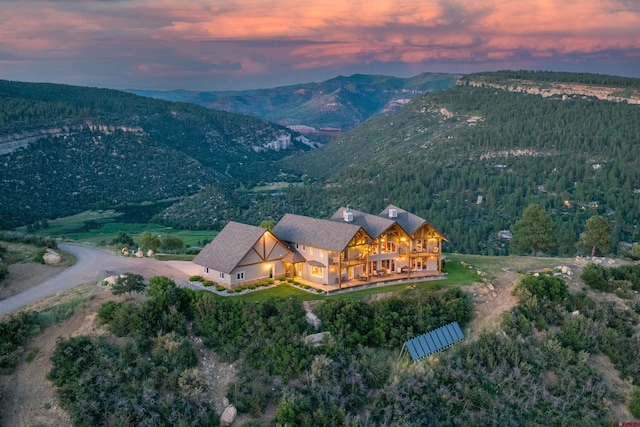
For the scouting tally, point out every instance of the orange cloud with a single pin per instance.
(266, 35)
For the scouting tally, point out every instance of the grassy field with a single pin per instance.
(492, 265)
(274, 186)
(101, 227)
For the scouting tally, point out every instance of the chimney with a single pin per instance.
(347, 215)
(393, 213)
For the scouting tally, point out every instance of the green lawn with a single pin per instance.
(457, 275)
(101, 227)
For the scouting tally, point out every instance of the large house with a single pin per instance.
(348, 249)
(242, 253)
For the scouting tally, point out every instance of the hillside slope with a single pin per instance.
(64, 149)
(338, 104)
(470, 158)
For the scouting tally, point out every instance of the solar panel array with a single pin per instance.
(423, 345)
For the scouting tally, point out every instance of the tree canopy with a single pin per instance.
(534, 231)
(127, 283)
(149, 240)
(597, 235)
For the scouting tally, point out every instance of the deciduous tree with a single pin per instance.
(149, 241)
(127, 283)
(171, 243)
(268, 223)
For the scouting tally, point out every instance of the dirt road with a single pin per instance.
(94, 264)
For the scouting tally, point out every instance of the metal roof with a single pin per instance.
(439, 339)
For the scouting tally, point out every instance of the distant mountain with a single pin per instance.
(65, 148)
(332, 106)
(470, 159)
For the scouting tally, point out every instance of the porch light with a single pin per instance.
(268, 266)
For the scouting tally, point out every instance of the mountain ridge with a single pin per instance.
(337, 104)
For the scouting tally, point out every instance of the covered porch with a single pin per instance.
(366, 281)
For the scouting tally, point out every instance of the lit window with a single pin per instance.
(240, 275)
(317, 271)
(321, 253)
(221, 275)
(310, 250)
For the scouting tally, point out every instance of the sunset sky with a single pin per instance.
(245, 44)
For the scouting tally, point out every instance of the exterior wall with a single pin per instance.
(214, 276)
(319, 255)
(252, 273)
(426, 246)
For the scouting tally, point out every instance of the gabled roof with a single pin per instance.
(374, 225)
(408, 221)
(229, 246)
(318, 233)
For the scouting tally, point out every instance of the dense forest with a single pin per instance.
(437, 155)
(556, 77)
(63, 149)
(468, 159)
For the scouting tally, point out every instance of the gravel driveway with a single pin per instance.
(94, 264)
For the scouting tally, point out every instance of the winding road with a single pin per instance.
(94, 264)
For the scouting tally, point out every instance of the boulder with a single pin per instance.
(51, 257)
(316, 339)
(110, 280)
(565, 269)
(149, 253)
(225, 402)
(575, 313)
(139, 254)
(228, 416)
(313, 320)
(490, 286)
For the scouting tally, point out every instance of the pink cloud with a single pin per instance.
(266, 36)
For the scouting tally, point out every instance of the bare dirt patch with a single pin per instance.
(28, 398)
(489, 304)
(25, 275)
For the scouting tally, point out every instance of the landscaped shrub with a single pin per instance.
(220, 288)
(196, 279)
(207, 283)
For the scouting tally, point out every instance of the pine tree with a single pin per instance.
(534, 231)
(597, 235)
